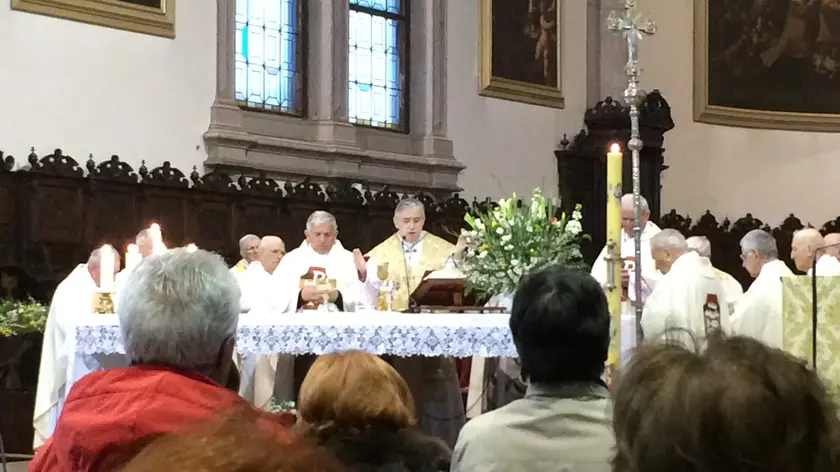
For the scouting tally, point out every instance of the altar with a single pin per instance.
(97, 342)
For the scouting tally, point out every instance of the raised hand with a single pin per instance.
(361, 264)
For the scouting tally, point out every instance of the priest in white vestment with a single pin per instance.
(264, 376)
(409, 254)
(321, 252)
(248, 248)
(832, 242)
(73, 297)
(758, 314)
(808, 243)
(650, 275)
(734, 290)
(688, 303)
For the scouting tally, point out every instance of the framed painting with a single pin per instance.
(772, 64)
(153, 17)
(519, 49)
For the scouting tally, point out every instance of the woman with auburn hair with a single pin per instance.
(356, 405)
(736, 405)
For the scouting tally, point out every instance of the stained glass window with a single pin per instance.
(268, 58)
(377, 63)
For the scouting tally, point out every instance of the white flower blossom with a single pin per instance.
(573, 227)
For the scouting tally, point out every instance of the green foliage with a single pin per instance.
(24, 316)
(277, 407)
(511, 240)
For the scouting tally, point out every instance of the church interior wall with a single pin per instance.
(88, 89)
(731, 171)
(94, 90)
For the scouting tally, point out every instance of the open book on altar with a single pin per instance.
(445, 290)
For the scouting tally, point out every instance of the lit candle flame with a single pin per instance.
(615, 148)
(192, 247)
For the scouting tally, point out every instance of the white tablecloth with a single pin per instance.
(402, 334)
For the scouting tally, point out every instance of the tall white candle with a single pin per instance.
(132, 256)
(157, 239)
(106, 268)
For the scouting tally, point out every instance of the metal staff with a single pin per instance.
(631, 25)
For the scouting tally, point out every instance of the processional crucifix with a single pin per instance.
(633, 27)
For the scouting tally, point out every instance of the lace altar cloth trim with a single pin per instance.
(401, 334)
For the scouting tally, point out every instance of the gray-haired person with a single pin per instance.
(759, 312)
(178, 320)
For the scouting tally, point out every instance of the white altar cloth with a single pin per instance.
(401, 334)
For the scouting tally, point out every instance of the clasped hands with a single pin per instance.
(319, 293)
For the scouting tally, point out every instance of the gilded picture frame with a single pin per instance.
(764, 68)
(525, 64)
(156, 18)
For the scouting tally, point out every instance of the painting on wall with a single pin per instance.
(153, 17)
(520, 51)
(772, 64)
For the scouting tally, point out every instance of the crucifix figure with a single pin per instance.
(631, 24)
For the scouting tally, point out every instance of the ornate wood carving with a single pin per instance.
(53, 215)
(725, 237)
(581, 163)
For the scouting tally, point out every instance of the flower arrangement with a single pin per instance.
(20, 316)
(513, 239)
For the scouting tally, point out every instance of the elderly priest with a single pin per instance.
(320, 255)
(809, 243)
(628, 255)
(248, 249)
(406, 256)
(689, 302)
(759, 312)
(74, 296)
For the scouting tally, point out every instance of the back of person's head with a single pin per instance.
(735, 406)
(354, 389)
(233, 444)
(180, 308)
(561, 326)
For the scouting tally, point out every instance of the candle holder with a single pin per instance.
(103, 303)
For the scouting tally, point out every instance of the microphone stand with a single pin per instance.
(814, 311)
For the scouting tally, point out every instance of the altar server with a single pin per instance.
(248, 248)
(734, 290)
(409, 253)
(628, 255)
(321, 251)
(73, 296)
(759, 312)
(689, 302)
(806, 244)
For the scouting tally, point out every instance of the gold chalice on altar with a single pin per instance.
(386, 288)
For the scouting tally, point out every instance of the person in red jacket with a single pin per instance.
(178, 317)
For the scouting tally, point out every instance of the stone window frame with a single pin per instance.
(324, 144)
